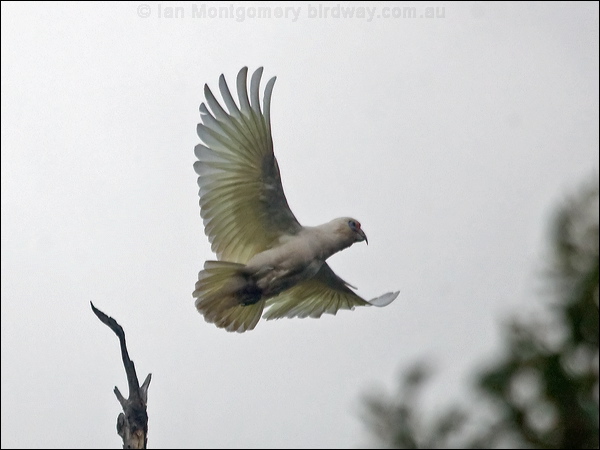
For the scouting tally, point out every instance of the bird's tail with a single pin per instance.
(227, 297)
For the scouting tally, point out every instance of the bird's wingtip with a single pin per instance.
(385, 299)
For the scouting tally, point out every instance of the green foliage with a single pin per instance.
(397, 422)
(544, 390)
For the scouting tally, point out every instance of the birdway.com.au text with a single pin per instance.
(204, 11)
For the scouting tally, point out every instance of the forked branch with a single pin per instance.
(132, 423)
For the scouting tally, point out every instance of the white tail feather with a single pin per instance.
(217, 299)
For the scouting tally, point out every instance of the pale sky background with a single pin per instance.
(451, 139)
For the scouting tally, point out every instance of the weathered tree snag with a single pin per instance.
(132, 423)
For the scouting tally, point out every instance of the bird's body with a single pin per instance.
(266, 258)
(297, 257)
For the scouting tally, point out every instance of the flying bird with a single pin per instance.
(267, 261)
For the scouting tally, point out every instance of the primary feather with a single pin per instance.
(266, 258)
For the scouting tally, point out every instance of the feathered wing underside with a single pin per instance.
(242, 202)
(325, 293)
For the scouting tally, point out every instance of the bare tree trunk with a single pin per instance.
(132, 423)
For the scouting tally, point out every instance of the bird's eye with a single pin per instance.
(352, 224)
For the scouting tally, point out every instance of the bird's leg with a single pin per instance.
(250, 293)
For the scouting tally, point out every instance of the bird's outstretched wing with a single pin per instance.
(324, 293)
(241, 197)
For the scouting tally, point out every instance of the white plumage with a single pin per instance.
(266, 259)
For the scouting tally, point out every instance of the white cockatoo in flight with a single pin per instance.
(266, 259)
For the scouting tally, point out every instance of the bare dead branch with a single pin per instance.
(132, 423)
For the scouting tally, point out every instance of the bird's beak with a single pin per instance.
(362, 234)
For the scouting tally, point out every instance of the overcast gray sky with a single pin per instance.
(450, 138)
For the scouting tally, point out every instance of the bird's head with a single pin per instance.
(351, 229)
